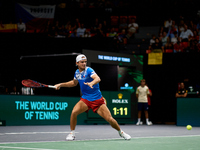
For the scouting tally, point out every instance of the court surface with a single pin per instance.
(98, 137)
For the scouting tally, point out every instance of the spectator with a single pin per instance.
(168, 23)
(105, 27)
(81, 31)
(52, 32)
(21, 26)
(161, 30)
(48, 27)
(171, 31)
(153, 39)
(182, 92)
(157, 46)
(186, 34)
(112, 33)
(164, 38)
(123, 25)
(73, 34)
(168, 45)
(181, 26)
(191, 25)
(198, 26)
(132, 28)
(194, 45)
(69, 28)
(87, 33)
(99, 32)
(175, 38)
(57, 26)
(175, 25)
(178, 46)
(15, 91)
(96, 23)
(63, 31)
(76, 24)
(122, 38)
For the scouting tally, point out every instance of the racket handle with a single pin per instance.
(51, 86)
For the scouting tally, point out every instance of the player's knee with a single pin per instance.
(74, 113)
(110, 119)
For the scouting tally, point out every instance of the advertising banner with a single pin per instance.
(37, 110)
(8, 28)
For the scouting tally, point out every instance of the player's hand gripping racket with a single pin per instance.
(35, 84)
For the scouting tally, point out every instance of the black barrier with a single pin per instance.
(188, 111)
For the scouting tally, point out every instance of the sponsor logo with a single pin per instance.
(120, 99)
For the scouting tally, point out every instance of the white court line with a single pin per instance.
(105, 139)
(33, 133)
(140, 137)
(5, 147)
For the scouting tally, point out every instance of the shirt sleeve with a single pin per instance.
(75, 76)
(148, 91)
(137, 91)
(91, 72)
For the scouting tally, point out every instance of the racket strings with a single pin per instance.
(31, 83)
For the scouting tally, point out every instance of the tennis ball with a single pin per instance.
(189, 127)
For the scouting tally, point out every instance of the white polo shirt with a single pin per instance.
(186, 34)
(142, 94)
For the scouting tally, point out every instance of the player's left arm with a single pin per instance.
(185, 94)
(96, 79)
(148, 92)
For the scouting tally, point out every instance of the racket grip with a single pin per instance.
(51, 86)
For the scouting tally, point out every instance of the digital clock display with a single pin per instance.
(121, 111)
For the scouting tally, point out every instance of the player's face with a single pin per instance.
(182, 85)
(82, 64)
(142, 83)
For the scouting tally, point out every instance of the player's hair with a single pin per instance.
(143, 80)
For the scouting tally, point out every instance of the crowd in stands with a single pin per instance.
(174, 36)
(99, 28)
(177, 36)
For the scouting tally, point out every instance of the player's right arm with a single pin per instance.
(137, 92)
(71, 83)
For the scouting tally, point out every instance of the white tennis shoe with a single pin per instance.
(124, 135)
(149, 123)
(139, 123)
(70, 137)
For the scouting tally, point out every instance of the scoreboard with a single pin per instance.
(119, 104)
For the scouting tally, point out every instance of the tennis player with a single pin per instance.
(91, 97)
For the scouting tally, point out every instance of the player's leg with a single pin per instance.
(104, 112)
(147, 114)
(79, 108)
(140, 105)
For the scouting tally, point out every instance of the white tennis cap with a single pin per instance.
(80, 57)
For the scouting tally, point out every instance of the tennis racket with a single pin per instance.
(35, 84)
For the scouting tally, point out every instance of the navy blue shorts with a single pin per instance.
(143, 106)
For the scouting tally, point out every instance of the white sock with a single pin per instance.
(73, 132)
(120, 131)
(139, 119)
(147, 120)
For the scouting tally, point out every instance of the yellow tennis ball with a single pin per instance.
(189, 127)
